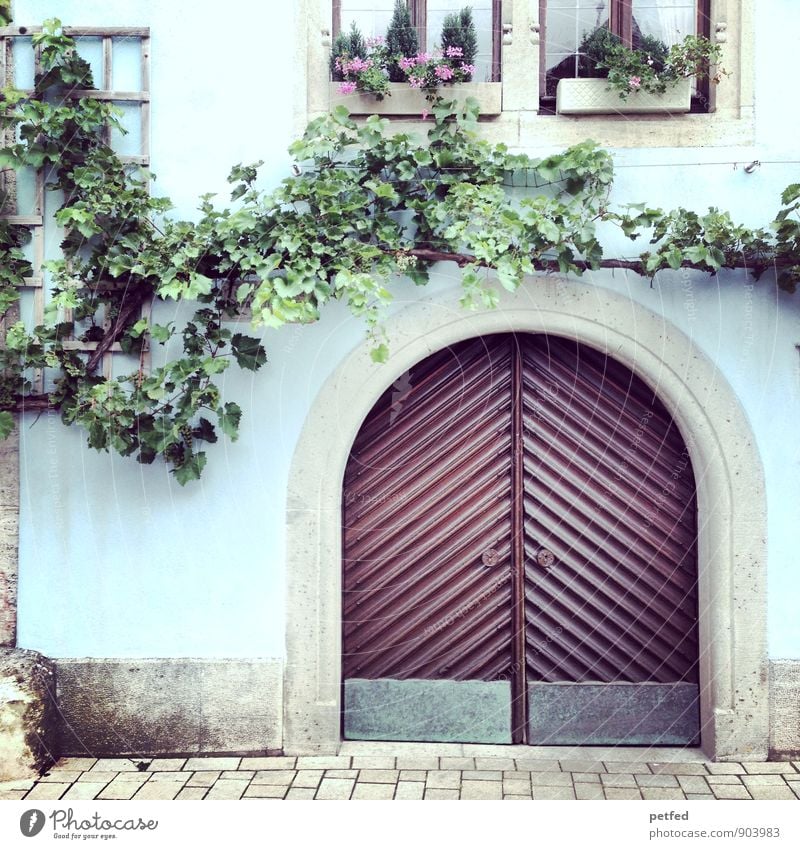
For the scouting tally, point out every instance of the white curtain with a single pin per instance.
(668, 20)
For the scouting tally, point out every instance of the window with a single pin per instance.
(372, 17)
(572, 29)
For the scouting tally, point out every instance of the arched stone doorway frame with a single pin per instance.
(731, 499)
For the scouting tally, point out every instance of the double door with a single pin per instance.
(519, 535)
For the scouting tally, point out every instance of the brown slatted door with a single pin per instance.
(427, 554)
(610, 555)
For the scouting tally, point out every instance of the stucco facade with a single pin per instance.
(133, 585)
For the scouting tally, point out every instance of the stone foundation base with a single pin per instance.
(784, 709)
(27, 714)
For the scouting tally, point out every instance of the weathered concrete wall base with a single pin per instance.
(784, 710)
(173, 705)
(28, 743)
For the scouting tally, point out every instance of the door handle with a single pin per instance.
(490, 557)
(545, 558)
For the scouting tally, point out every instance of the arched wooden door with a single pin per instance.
(520, 557)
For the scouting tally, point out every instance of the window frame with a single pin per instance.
(418, 10)
(620, 15)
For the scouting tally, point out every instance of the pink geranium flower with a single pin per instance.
(416, 82)
(444, 72)
(454, 52)
(347, 88)
(467, 69)
(407, 62)
(635, 82)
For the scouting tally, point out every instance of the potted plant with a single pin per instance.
(391, 76)
(651, 78)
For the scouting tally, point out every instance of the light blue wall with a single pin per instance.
(117, 560)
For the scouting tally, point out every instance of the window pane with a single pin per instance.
(372, 17)
(668, 20)
(568, 24)
(482, 17)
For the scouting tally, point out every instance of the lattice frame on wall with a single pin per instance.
(105, 90)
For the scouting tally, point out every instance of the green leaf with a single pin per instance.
(379, 354)
(229, 418)
(6, 424)
(249, 352)
(191, 469)
(674, 258)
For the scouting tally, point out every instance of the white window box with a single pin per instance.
(404, 100)
(592, 96)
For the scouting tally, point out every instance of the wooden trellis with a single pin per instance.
(105, 90)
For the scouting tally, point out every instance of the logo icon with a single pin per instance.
(31, 822)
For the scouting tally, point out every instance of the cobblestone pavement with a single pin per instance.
(410, 773)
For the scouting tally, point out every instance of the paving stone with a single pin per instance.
(308, 778)
(80, 764)
(301, 793)
(275, 776)
(50, 790)
(618, 780)
(582, 766)
(227, 788)
(662, 793)
(774, 791)
(724, 779)
(473, 790)
(626, 767)
(166, 764)
(510, 797)
(373, 791)
(456, 763)
(410, 790)
(198, 764)
(622, 793)
(277, 762)
(586, 778)
(96, 777)
(791, 778)
(775, 767)
(495, 763)
(324, 762)
(443, 780)
(194, 794)
(762, 780)
(10, 795)
(417, 763)
(553, 793)
(693, 784)
(516, 786)
(83, 790)
(551, 779)
(795, 788)
(163, 790)
(413, 775)
(509, 773)
(656, 780)
(348, 773)
(678, 769)
(179, 778)
(335, 788)
(378, 776)
(440, 793)
(265, 791)
(730, 791)
(119, 764)
(18, 784)
(202, 779)
(533, 765)
(120, 788)
(63, 777)
(725, 768)
(700, 797)
(363, 762)
(589, 791)
(241, 774)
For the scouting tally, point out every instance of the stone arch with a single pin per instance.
(730, 492)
